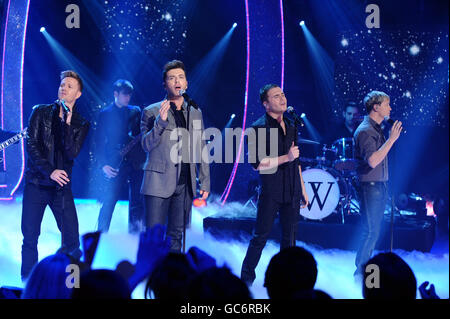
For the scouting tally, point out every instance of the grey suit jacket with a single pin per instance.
(161, 140)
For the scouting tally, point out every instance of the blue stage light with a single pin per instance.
(233, 116)
(303, 115)
(302, 23)
(344, 42)
(42, 29)
(234, 25)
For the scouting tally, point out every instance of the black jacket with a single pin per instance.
(40, 144)
(116, 128)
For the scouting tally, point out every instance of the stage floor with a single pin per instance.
(335, 266)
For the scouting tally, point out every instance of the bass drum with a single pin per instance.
(323, 193)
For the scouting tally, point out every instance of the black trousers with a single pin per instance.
(35, 200)
(133, 178)
(171, 211)
(265, 216)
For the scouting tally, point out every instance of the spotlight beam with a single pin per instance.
(323, 70)
(68, 60)
(208, 66)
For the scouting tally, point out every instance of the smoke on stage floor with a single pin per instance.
(335, 267)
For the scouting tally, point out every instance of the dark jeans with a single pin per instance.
(132, 177)
(373, 196)
(171, 210)
(35, 200)
(265, 216)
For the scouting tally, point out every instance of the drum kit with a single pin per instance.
(330, 181)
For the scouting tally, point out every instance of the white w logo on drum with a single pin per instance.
(323, 196)
(315, 188)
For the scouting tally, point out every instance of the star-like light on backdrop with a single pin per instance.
(154, 26)
(409, 66)
(414, 49)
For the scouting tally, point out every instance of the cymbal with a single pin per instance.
(305, 141)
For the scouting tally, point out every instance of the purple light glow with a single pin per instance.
(227, 190)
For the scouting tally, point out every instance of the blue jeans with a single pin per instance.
(265, 217)
(373, 196)
(173, 211)
(35, 200)
(132, 177)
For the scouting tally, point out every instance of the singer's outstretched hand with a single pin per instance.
(204, 194)
(68, 115)
(60, 176)
(293, 152)
(396, 129)
(109, 171)
(305, 201)
(164, 109)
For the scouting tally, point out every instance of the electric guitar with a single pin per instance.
(10, 141)
(116, 161)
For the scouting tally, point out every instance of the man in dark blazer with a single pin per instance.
(170, 180)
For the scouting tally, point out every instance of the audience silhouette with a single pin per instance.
(291, 274)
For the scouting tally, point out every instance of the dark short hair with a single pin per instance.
(174, 64)
(372, 98)
(396, 278)
(170, 278)
(72, 74)
(350, 104)
(101, 284)
(123, 86)
(291, 270)
(263, 91)
(217, 284)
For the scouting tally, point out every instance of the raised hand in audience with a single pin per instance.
(429, 293)
(153, 247)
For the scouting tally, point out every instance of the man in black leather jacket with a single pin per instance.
(56, 134)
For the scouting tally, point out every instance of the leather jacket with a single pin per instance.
(40, 144)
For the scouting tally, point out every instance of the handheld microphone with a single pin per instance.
(190, 101)
(297, 118)
(391, 122)
(63, 104)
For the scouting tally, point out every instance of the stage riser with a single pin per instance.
(326, 235)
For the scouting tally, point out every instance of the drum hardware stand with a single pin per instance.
(346, 201)
(251, 199)
(322, 160)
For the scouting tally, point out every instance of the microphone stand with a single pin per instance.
(190, 103)
(294, 223)
(186, 188)
(62, 188)
(391, 222)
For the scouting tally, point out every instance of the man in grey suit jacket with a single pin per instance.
(170, 180)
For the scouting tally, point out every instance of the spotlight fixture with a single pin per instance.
(234, 25)
(303, 115)
(412, 203)
(233, 116)
(42, 29)
(302, 23)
